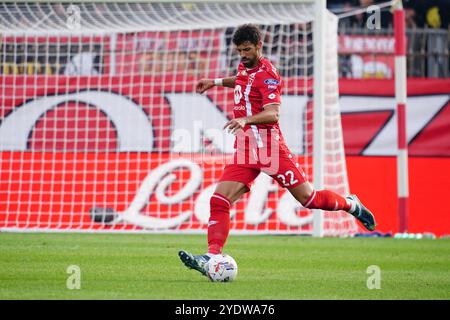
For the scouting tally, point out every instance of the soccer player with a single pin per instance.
(260, 147)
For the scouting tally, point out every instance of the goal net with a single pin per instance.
(101, 128)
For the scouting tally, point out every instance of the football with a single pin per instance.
(222, 268)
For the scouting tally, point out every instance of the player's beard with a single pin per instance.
(250, 63)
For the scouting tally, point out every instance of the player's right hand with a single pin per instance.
(204, 84)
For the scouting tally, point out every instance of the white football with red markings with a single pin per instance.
(222, 268)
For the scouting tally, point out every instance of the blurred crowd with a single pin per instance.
(288, 46)
(419, 13)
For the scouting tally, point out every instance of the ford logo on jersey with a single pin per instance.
(271, 81)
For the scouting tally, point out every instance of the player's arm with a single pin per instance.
(269, 115)
(227, 82)
(205, 84)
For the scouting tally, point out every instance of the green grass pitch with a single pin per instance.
(146, 266)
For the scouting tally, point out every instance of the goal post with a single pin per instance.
(319, 38)
(101, 128)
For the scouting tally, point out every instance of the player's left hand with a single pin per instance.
(235, 124)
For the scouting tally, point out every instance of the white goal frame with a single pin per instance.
(319, 38)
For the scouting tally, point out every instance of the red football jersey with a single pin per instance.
(254, 89)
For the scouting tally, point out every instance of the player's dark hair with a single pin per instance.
(247, 32)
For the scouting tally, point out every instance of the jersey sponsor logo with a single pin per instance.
(272, 87)
(271, 82)
(241, 107)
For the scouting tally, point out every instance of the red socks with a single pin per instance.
(219, 220)
(219, 223)
(328, 201)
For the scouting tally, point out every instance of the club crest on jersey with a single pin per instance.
(272, 82)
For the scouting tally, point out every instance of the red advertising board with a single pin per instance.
(370, 56)
(51, 182)
(162, 53)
